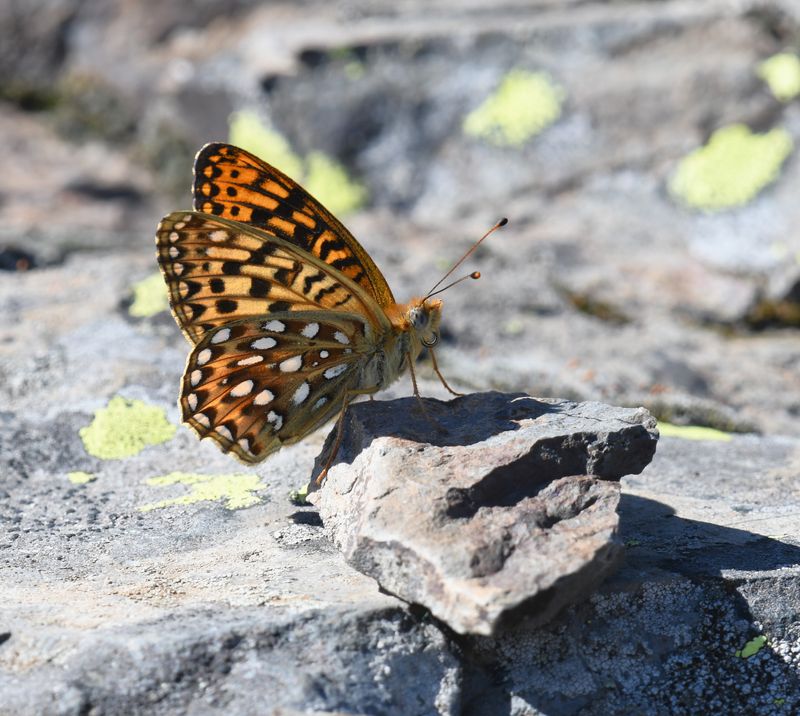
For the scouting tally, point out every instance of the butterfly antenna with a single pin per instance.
(458, 263)
(474, 275)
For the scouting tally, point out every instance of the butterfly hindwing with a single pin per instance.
(234, 184)
(256, 384)
(218, 271)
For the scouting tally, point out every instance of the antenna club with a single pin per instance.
(502, 221)
(475, 274)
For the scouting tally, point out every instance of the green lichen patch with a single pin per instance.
(80, 478)
(149, 297)
(246, 130)
(781, 72)
(298, 497)
(692, 432)
(752, 647)
(236, 489)
(731, 169)
(322, 176)
(124, 428)
(327, 180)
(522, 106)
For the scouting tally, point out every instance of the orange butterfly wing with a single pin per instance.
(234, 184)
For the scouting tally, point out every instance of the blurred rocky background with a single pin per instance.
(646, 156)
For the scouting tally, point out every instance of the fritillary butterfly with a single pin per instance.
(288, 316)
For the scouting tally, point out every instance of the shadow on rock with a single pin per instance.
(678, 630)
(657, 537)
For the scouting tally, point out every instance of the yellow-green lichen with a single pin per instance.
(513, 327)
(522, 106)
(327, 180)
(322, 176)
(236, 489)
(149, 297)
(246, 130)
(80, 478)
(692, 432)
(781, 72)
(124, 428)
(731, 169)
(752, 647)
(298, 497)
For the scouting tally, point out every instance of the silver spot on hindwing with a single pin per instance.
(301, 393)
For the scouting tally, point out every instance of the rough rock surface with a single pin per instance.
(493, 515)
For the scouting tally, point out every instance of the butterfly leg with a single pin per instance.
(441, 377)
(348, 396)
(417, 395)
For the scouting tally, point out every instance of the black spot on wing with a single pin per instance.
(197, 310)
(324, 291)
(311, 280)
(259, 256)
(226, 305)
(192, 287)
(329, 245)
(260, 216)
(344, 262)
(259, 288)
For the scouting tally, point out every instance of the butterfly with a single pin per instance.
(288, 316)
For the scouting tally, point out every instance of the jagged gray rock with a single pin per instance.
(504, 507)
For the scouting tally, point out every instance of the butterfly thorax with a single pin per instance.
(413, 325)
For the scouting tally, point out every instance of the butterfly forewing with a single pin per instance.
(254, 385)
(218, 271)
(234, 184)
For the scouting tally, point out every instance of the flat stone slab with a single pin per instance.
(496, 506)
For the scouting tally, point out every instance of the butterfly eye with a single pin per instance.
(431, 343)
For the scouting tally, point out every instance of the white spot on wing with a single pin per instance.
(173, 252)
(275, 326)
(244, 443)
(323, 354)
(319, 403)
(218, 235)
(202, 419)
(301, 393)
(275, 419)
(341, 337)
(174, 235)
(264, 397)
(310, 330)
(243, 388)
(192, 400)
(204, 356)
(177, 269)
(221, 335)
(290, 365)
(336, 370)
(252, 360)
(262, 344)
(196, 377)
(222, 430)
(181, 224)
